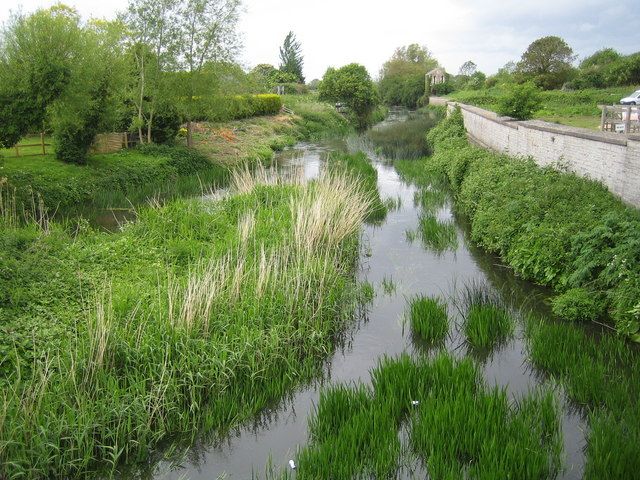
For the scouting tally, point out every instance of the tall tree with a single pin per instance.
(547, 61)
(352, 86)
(291, 60)
(402, 77)
(468, 68)
(207, 34)
(153, 37)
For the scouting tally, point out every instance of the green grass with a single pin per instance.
(601, 375)
(486, 326)
(430, 200)
(429, 320)
(403, 140)
(437, 235)
(457, 426)
(196, 317)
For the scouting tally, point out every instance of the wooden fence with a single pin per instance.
(42, 150)
(620, 119)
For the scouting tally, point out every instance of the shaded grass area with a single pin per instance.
(457, 425)
(31, 150)
(108, 180)
(601, 375)
(578, 108)
(195, 317)
(429, 320)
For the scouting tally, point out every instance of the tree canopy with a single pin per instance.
(352, 86)
(291, 60)
(547, 62)
(402, 77)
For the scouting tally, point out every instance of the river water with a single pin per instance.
(389, 259)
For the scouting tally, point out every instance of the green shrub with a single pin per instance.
(577, 305)
(166, 123)
(521, 102)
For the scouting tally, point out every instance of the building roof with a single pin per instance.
(437, 72)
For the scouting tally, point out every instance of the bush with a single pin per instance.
(577, 305)
(521, 102)
(442, 88)
(166, 124)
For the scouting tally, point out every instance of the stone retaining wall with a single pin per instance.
(610, 158)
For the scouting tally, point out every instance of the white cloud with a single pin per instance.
(337, 32)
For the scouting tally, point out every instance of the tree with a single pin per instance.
(352, 86)
(520, 102)
(152, 38)
(468, 68)
(402, 77)
(206, 33)
(291, 60)
(58, 72)
(547, 62)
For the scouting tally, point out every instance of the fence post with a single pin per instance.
(44, 152)
(126, 140)
(627, 121)
(17, 150)
(603, 117)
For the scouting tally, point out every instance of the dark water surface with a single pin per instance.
(387, 256)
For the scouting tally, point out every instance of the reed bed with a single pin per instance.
(209, 312)
(601, 375)
(457, 426)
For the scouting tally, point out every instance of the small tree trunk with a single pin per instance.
(189, 136)
(149, 126)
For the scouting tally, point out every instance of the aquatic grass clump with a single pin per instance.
(455, 424)
(601, 375)
(436, 235)
(403, 140)
(486, 326)
(213, 310)
(358, 165)
(429, 318)
(430, 200)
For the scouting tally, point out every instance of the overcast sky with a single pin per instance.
(337, 32)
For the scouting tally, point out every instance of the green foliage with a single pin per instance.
(547, 62)
(577, 305)
(224, 108)
(403, 140)
(601, 375)
(521, 102)
(554, 228)
(168, 326)
(402, 78)
(352, 86)
(166, 124)
(486, 326)
(291, 60)
(442, 89)
(429, 319)
(456, 425)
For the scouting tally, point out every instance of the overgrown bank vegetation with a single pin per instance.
(166, 171)
(196, 316)
(553, 228)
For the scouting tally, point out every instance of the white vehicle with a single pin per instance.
(633, 99)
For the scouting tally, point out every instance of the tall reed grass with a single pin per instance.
(211, 312)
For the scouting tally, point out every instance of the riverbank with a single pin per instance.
(131, 176)
(195, 317)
